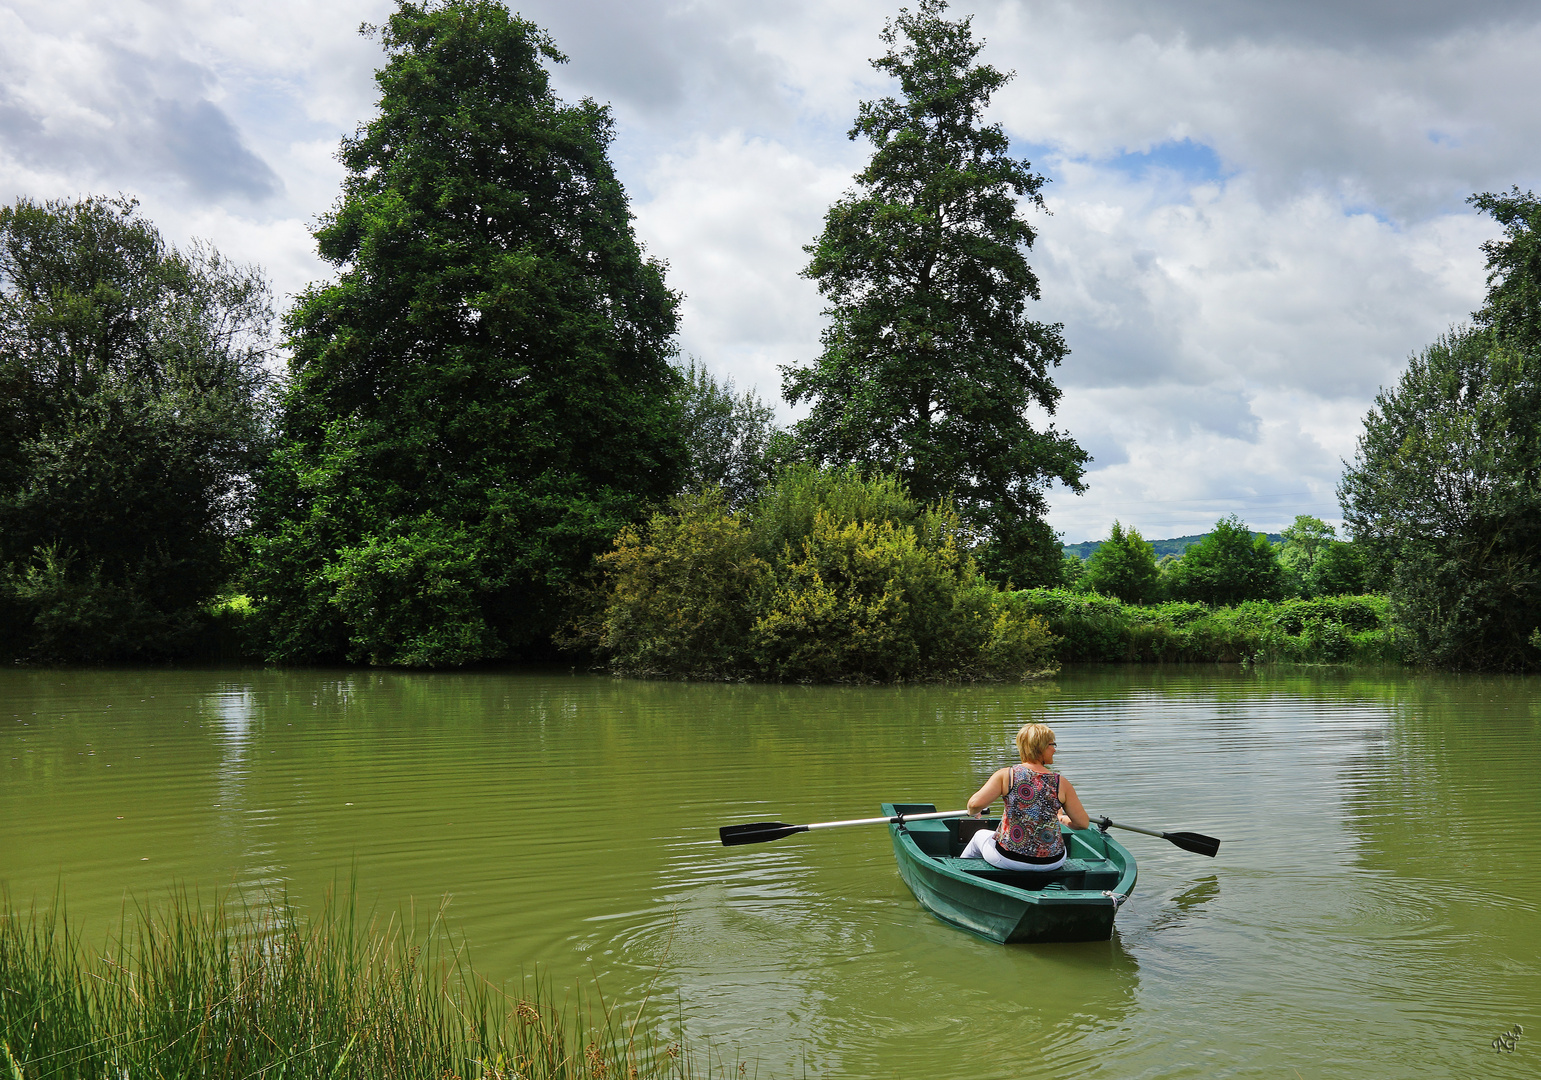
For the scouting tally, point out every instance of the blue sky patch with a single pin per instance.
(1195, 162)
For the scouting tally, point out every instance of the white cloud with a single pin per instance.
(731, 215)
(1257, 207)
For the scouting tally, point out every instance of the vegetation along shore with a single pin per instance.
(475, 442)
(190, 988)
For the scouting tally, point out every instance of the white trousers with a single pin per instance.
(982, 846)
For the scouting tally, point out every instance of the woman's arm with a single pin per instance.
(1079, 818)
(994, 788)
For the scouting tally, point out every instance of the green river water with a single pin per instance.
(1373, 911)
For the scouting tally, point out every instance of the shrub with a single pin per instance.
(829, 576)
(413, 599)
(683, 590)
(1331, 630)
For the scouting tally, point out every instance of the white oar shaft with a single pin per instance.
(887, 820)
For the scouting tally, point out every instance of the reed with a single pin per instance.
(234, 990)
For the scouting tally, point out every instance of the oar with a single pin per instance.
(1188, 841)
(762, 831)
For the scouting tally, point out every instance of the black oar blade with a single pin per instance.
(1194, 842)
(758, 833)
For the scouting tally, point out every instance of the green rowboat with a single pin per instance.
(1074, 903)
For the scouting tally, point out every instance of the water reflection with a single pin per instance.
(1372, 912)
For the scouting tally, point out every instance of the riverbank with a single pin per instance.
(1089, 628)
(1333, 630)
(196, 989)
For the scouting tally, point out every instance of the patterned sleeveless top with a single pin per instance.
(1030, 825)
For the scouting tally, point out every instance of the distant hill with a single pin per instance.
(1175, 546)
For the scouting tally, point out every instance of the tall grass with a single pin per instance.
(189, 989)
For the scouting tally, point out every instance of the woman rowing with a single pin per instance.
(1038, 801)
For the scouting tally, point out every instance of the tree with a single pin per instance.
(1228, 566)
(483, 397)
(1124, 565)
(728, 435)
(1073, 573)
(1443, 492)
(930, 363)
(132, 385)
(1338, 571)
(1442, 496)
(1512, 311)
(1304, 543)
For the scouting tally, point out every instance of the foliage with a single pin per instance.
(728, 435)
(1443, 492)
(133, 390)
(1228, 566)
(829, 576)
(1093, 628)
(1026, 551)
(482, 398)
(1317, 563)
(786, 514)
(685, 587)
(186, 990)
(1512, 311)
(930, 363)
(1304, 543)
(1124, 566)
(1339, 571)
(1073, 573)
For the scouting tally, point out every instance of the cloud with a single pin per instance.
(731, 215)
(1375, 24)
(1257, 208)
(108, 113)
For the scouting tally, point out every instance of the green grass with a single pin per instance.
(188, 990)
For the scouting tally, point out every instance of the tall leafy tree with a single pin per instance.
(930, 363)
(1231, 564)
(1512, 312)
(1124, 565)
(1443, 493)
(1305, 541)
(132, 387)
(482, 398)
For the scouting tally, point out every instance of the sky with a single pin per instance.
(1256, 210)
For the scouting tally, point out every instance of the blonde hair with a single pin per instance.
(1033, 740)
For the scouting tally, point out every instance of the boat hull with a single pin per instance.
(1074, 903)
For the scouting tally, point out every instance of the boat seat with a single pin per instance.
(1094, 874)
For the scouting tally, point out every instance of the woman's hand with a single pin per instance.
(1064, 818)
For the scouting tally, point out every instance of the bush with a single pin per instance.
(683, 592)
(413, 599)
(60, 613)
(829, 576)
(1333, 630)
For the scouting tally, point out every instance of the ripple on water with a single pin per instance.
(1372, 912)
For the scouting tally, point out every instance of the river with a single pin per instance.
(1373, 911)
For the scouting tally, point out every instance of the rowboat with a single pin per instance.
(1074, 903)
